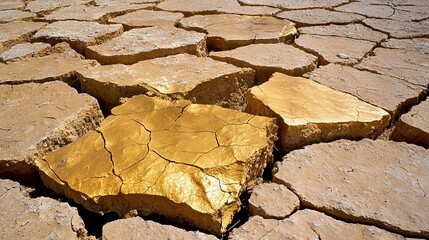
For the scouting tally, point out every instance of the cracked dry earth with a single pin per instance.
(225, 119)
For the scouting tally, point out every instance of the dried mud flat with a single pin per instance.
(225, 119)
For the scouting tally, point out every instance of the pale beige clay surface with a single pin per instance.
(137, 228)
(196, 7)
(269, 58)
(14, 15)
(271, 200)
(308, 224)
(408, 65)
(42, 7)
(227, 31)
(147, 18)
(59, 115)
(291, 4)
(363, 181)
(334, 49)
(147, 43)
(60, 65)
(419, 44)
(22, 50)
(354, 31)
(11, 4)
(78, 34)
(94, 13)
(319, 17)
(183, 76)
(36, 218)
(308, 112)
(17, 32)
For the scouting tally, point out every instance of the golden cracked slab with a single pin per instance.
(78, 34)
(147, 18)
(38, 118)
(227, 31)
(184, 76)
(17, 32)
(308, 112)
(186, 162)
(60, 65)
(269, 58)
(93, 13)
(147, 43)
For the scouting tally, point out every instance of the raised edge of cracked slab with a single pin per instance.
(23, 50)
(59, 115)
(269, 58)
(228, 31)
(339, 173)
(391, 94)
(79, 35)
(147, 43)
(413, 127)
(147, 18)
(100, 13)
(308, 224)
(137, 228)
(60, 64)
(308, 112)
(184, 76)
(23, 217)
(15, 15)
(17, 32)
(195, 162)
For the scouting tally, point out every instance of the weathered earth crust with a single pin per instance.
(198, 79)
(147, 43)
(23, 217)
(322, 176)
